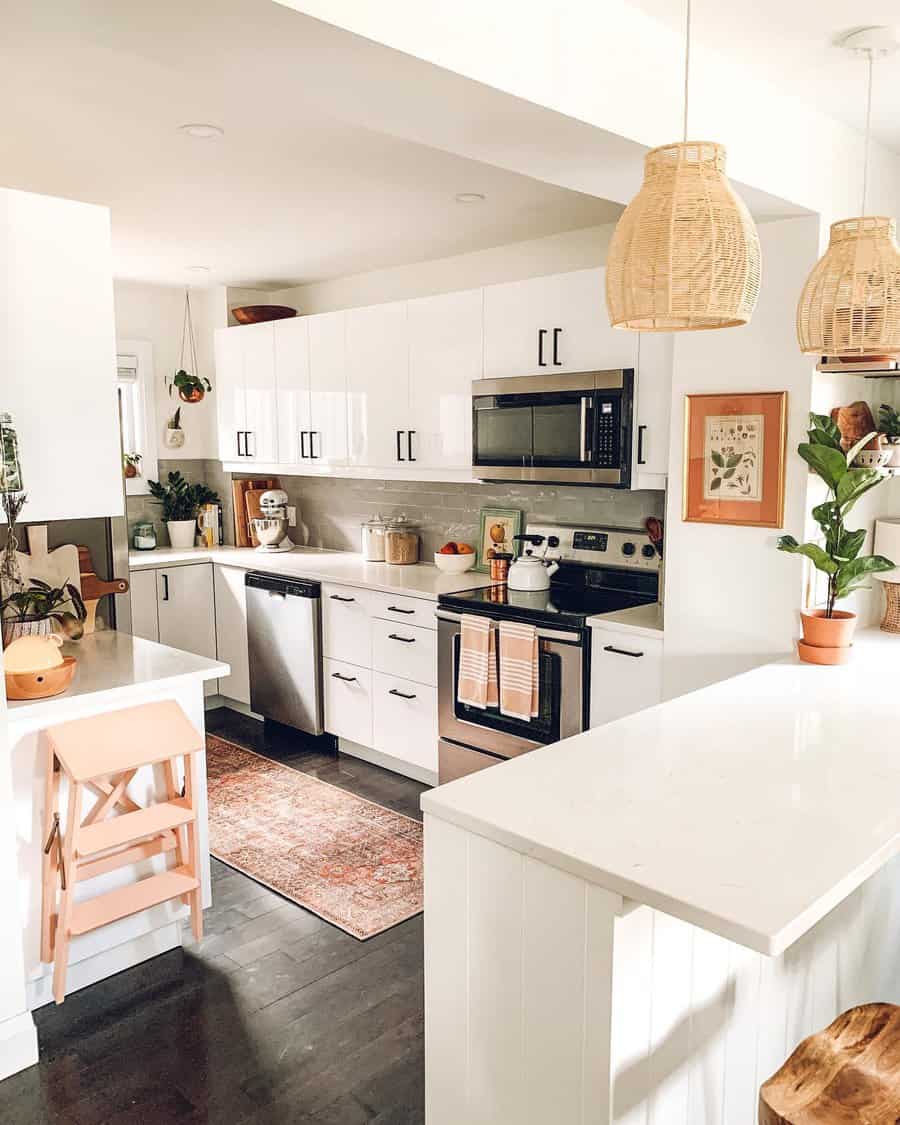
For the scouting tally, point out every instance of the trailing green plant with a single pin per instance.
(889, 421)
(42, 600)
(181, 500)
(839, 556)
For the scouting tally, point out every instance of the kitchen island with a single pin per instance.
(640, 923)
(115, 670)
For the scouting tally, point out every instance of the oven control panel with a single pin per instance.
(597, 546)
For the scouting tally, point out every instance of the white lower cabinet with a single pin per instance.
(626, 673)
(231, 631)
(348, 701)
(405, 720)
(406, 651)
(180, 600)
(347, 623)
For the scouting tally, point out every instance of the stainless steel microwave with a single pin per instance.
(573, 429)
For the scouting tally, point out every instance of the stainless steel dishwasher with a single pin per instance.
(284, 640)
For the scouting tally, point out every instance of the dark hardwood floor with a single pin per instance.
(274, 1017)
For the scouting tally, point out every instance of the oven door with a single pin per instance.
(562, 695)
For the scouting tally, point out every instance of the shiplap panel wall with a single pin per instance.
(546, 1002)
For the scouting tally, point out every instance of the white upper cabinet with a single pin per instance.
(445, 356)
(378, 411)
(58, 355)
(327, 443)
(550, 325)
(245, 374)
(653, 405)
(292, 388)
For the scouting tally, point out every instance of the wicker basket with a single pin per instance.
(850, 305)
(685, 254)
(890, 623)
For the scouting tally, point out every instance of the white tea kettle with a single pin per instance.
(529, 572)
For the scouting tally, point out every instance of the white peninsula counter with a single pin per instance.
(115, 670)
(640, 923)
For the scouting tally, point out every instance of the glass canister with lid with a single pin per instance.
(401, 542)
(373, 539)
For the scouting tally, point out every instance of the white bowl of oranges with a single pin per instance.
(455, 558)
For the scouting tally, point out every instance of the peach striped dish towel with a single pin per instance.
(518, 670)
(477, 684)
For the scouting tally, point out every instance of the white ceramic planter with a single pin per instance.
(182, 533)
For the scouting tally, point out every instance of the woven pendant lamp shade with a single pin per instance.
(685, 253)
(850, 305)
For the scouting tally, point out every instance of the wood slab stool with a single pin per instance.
(101, 754)
(848, 1074)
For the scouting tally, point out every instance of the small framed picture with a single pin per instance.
(734, 458)
(498, 526)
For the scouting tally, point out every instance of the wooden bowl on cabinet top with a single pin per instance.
(42, 684)
(259, 314)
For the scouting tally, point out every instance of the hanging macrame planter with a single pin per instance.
(190, 385)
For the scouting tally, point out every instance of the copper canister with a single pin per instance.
(500, 567)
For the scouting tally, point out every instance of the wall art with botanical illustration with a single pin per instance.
(735, 458)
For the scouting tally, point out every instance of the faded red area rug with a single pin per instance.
(354, 863)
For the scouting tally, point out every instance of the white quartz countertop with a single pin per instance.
(643, 620)
(421, 580)
(111, 665)
(750, 808)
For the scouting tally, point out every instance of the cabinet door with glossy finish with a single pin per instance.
(328, 388)
(348, 701)
(347, 623)
(653, 406)
(626, 673)
(258, 346)
(445, 356)
(231, 402)
(292, 389)
(405, 720)
(231, 631)
(378, 386)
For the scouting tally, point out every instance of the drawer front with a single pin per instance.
(348, 701)
(405, 651)
(626, 674)
(346, 624)
(405, 720)
(408, 611)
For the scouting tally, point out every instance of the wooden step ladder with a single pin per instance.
(101, 754)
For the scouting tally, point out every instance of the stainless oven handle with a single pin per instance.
(543, 634)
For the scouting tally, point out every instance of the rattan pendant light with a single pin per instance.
(685, 252)
(850, 305)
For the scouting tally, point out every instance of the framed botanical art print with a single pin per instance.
(498, 526)
(734, 458)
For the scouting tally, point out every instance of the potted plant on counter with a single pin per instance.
(889, 424)
(828, 632)
(181, 503)
(38, 609)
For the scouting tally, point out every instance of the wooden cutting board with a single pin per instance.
(57, 567)
(94, 588)
(243, 537)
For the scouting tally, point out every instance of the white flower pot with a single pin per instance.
(182, 533)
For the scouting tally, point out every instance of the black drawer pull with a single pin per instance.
(620, 651)
(406, 640)
(338, 598)
(400, 694)
(397, 609)
(346, 679)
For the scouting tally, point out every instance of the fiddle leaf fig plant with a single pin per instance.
(838, 556)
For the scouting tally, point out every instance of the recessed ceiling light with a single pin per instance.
(469, 197)
(202, 131)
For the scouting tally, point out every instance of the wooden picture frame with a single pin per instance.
(493, 518)
(735, 448)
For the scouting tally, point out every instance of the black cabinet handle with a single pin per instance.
(400, 694)
(640, 456)
(557, 362)
(248, 434)
(397, 609)
(621, 651)
(303, 443)
(338, 598)
(240, 434)
(400, 456)
(313, 434)
(409, 436)
(165, 579)
(406, 640)
(542, 332)
(346, 679)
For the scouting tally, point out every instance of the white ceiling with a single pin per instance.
(289, 194)
(791, 43)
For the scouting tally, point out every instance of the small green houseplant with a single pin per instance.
(181, 503)
(191, 388)
(131, 464)
(35, 609)
(889, 424)
(827, 632)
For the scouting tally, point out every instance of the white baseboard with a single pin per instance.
(18, 1044)
(388, 762)
(102, 965)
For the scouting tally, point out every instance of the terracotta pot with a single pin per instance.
(195, 394)
(815, 654)
(828, 632)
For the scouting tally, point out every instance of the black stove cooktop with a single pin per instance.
(576, 594)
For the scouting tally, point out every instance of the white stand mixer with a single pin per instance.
(271, 528)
